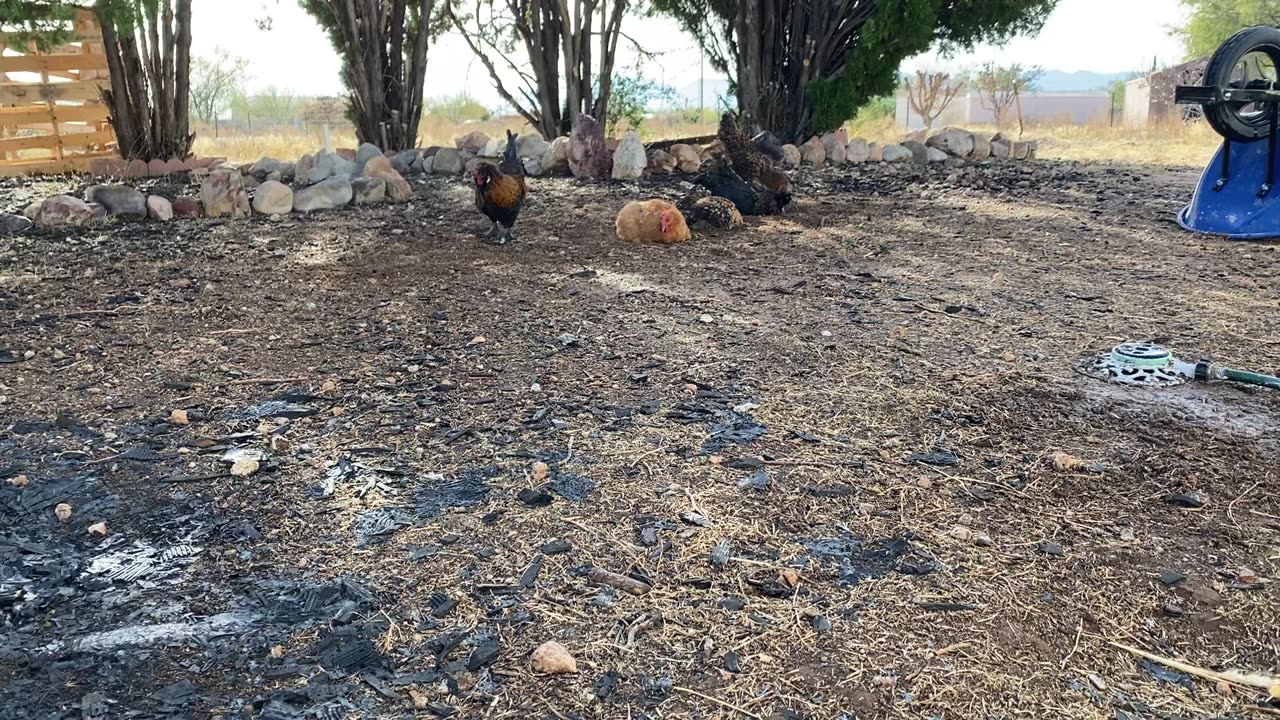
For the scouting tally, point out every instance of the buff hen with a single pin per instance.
(652, 221)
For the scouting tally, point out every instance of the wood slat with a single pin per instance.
(59, 113)
(52, 63)
(18, 93)
(68, 140)
(10, 168)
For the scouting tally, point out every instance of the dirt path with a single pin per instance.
(821, 441)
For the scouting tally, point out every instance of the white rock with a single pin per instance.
(273, 198)
(531, 146)
(555, 159)
(896, 154)
(953, 141)
(159, 208)
(790, 155)
(446, 161)
(935, 155)
(857, 151)
(629, 159)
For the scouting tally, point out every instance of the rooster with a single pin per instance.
(748, 161)
(500, 192)
(749, 198)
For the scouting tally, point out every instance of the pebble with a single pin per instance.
(961, 533)
(1051, 548)
(552, 658)
(62, 512)
(28, 354)
(1247, 576)
(59, 355)
(721, 553)
(821, 623)
(19, 481)
(704, 318)
(540, 471)
(179, 417)
(99, 529)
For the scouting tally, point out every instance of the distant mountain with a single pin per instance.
(1059, 81)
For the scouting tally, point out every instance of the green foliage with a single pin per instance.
(47, 22)
(1210, 22)
(869, 57)
(458, 108)
(877, 108)
(630, 99)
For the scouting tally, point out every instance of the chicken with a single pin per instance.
(748, 161)
(500, 192)
(749, 198)
(655, 221)
(715, 211)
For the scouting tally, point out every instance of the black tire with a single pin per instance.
(1226, 118)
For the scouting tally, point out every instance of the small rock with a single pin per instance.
(62, 210)
(895, 154)
(14, 224)
(328, 386)
(552, 658)
(178, 417)
(934, 155)
(368, 190)
(222, 193)
(721, 553)
(62, 512)
(159, 208)
(556, 547)
(1050, 548)
(629, 159)
(857, 151)
(19, 481)
(244, 467)
(732, 662)
(733, 604)
(555, 159)
(961, 533)
(329, 165)
(446, 161)
(821, 623)
(705, 318)
(540, 471)
(983, 540)
(187, 208)
(328, 194)
(1247, 576)
(273, 198)
(813, 153)
(790, 156)
(118, 200)
(1186, 500)
(1065, 462)
(99, 529)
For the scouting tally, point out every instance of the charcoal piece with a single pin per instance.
(556, 547)
(937, 457)
(179, 693)
(483, 654)
(534, 498)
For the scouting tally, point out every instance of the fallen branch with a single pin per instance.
(1267, 684)
(621, 582)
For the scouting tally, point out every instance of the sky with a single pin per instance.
(1110, 36)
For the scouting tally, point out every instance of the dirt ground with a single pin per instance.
(821, 444)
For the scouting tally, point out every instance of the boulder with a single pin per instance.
(660, 163)
(494, 148)
(62, 210)
(531, 145)
(833, 143)
(398, 189)
(187, 208)
(118, 200)
(416, 167)
(31, 211)
(934, 155)
(588, 155)
(302, 169)
(273, 198)
(368, 190)
(365, 153)
(686, 158)
(555, 160)
(981, 148)
(813, 153)
(472, 142)
(159, 208)
(875, 152)
(629, 160)
(428, 164)
(953, 141)
(999, 150)
(268, 165)
(769, 144)
(14, 224)
(919, 152)
(327, 194)
(329, 165)
(790, 156)
(222, 193)
(857, 151)
(1019, 150)
(446, 161)
(896, 153)
(533, 167)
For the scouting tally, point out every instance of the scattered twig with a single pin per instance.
(267, 381)
(721, 703)
(1239, 679)
(621, 582)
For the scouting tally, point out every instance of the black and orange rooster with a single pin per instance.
(748, 161)
(500, 192)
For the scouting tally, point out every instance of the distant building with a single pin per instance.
(1063, 108)
(1148, 100)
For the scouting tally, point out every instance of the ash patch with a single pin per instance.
(726, 414)
(435, 494)
(852, 560)
(298, 602)
(572, 487)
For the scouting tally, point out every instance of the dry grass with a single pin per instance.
(1177, 144)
